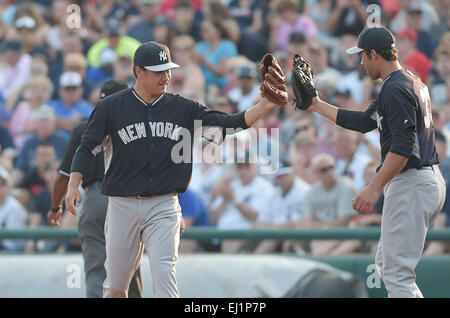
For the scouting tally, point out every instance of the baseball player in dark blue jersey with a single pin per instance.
(409, 175)
(91, 219)
(138, 128)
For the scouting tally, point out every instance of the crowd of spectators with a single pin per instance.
(55, 56)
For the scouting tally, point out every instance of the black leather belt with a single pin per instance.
(425, 168)
(432, 167)
(148, 196)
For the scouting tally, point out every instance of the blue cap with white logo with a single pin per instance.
(153, 56)
(375, 38)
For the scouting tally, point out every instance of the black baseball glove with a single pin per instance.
(302, 83)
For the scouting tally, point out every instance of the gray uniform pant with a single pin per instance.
(412, 201)
(91, 231)
(132, 223)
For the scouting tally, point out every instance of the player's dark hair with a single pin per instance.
(388, 55)
(134, 70)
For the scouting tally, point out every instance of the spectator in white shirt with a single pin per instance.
(16, 66)
(238, 201)
(247, 91)
(351, 162)
(286, 205)
(12, 214)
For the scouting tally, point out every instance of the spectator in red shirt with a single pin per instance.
(411, 58)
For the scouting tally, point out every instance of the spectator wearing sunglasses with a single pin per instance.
(327, 204)
(188, 79)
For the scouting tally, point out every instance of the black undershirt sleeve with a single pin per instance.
(236, 121)
(74, 141)
(356, 120)
(81, 160)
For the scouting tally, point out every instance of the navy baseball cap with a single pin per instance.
(247, 71)
(112, 86)
(375, 38)
(153, 56)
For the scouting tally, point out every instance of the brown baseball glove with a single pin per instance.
(273, 85)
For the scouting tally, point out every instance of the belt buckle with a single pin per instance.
(142, 196)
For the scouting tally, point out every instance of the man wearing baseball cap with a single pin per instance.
(154, 57)
(427, 41)
(123, 45)
(27, 29)
(412, 58)
(247, 90)
(70, 107)
(92, 216)
(16, 66)
(409, 175)
(145, 171)
(376, 38)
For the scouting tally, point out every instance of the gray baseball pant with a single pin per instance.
(133, 223)
(91, 224)
(412, 201)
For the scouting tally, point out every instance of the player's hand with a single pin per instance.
(72, 196)
(366, 198)
(54, 218)
(182, 226)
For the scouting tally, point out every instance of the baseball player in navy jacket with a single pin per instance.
(137, 128)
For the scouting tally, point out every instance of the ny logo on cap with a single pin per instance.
(162, 56)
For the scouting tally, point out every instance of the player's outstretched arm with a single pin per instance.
(361, 121)
(323, 108)
(258, 110)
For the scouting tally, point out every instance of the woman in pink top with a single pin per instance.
(37, 92)
(287, 20)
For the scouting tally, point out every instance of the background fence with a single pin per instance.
(433, 272)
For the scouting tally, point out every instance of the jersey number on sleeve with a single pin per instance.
(425, 103)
